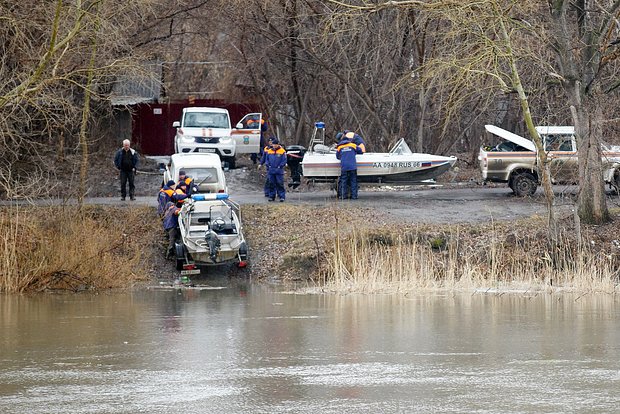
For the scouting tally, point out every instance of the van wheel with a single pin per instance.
(229, 163)
(524, 184)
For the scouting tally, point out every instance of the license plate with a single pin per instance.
(190, 272)
(206, 149)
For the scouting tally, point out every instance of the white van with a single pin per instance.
(208, 130)
(204, 169)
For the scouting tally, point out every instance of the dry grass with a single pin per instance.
(413, 260)
(328, 249)
(48, 248)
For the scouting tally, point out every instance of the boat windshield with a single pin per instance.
(401, 147)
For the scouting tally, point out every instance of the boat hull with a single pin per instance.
(379, 167)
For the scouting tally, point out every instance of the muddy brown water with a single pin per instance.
(233, 347)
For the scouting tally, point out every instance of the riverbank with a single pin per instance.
(333, 248)
(458, 237)
(336, 247)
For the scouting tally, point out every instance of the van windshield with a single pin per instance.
(205, 120)
(202, 175)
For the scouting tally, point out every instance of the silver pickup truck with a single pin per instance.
(514, 160)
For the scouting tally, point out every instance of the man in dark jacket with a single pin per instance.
(346, 152)
(126, 161)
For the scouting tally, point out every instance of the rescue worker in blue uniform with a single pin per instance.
(275, 160)
(354, 138)
(188, 182)
(180, 193)
(346, 152)
(171, 225)
(262, 161)
(164, 196)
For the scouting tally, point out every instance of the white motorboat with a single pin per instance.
(398, 166)
(211, 233)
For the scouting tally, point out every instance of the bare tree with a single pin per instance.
(585, 39)
(49, 72)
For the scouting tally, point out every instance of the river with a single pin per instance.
(241, 348)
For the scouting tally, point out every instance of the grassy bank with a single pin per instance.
(49, 248)
(325, 247)
(458, 259)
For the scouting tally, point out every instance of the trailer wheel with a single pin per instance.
(179, 250)
(524, 184)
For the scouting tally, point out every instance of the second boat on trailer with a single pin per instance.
(398, 166)
(211, 233)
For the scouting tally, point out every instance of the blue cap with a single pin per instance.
(319, 125)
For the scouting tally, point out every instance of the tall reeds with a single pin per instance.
(66, 248)
(408, 261)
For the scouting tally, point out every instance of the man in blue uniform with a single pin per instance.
(275, 160)
(356, 139)
(346, 152)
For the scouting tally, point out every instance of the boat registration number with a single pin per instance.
(206, 149)
(190, 272)
(402, 164)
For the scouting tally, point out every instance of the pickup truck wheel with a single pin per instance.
(524, 184)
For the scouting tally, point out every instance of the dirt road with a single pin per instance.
(451, 203)
(459, 200)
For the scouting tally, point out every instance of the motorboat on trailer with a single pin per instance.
(211, 233)
(398, 166)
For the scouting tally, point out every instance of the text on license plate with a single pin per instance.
(190, 272)
(206, 149)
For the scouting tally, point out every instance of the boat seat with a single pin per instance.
(220, 225)
(322, 149)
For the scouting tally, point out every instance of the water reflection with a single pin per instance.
(242, 348)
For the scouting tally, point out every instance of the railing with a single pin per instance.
(318, 136)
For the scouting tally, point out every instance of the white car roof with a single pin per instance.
(563, 130)
(195, 160)
(205, 109)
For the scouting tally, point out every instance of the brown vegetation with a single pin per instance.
(327, 248)
(493, 256)
(50, 248)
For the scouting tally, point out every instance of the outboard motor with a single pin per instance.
(214, 244)
(294, 155)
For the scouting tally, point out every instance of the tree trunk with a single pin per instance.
(422, 97)
(86, 115)
(580, 66)
(540, 153)
(591, 201)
